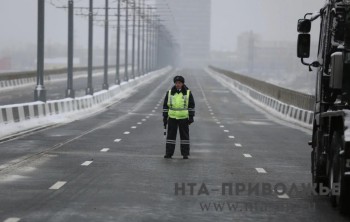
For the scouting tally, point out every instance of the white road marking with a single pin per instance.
(147, 117)
(105, 150)
(226, 131)
(12, 219)
(143, 120)
(247, 155)
(218, 122)
(153, 111)
(133, 127)
(238, 145)
(212, 114)
(139, 123)
(222, 126)
(231, 137)
(117, 140)
(209, 107)
(127, 132)
(86, 163)
(58, 185)
(210, 110)
(260, 170)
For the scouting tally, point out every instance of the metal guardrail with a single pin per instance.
(298, 99)
(31, 74)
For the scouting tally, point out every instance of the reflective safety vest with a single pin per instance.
(178, 105)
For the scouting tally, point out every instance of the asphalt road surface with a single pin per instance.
(56, 89)
(110, 166)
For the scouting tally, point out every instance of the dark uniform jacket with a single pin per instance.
(191, 104)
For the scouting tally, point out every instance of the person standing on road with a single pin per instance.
(178, 112)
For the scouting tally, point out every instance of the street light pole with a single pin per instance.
(147, 44)
(143, 37)
(126, 76)
(40, 92)
(70, 91)
(139, 40)
(133, 40)
(117, 76)
(105, 76)
(89, 89)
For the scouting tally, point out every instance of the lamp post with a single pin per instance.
(117, 74)
(139, 41)
(40, 92)
(105, 76)
(126, 75)
(133, 40)
(89, 89)
(70, 91)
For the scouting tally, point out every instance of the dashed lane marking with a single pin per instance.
(238, 145)
(260, 170)
(86, 163)
(226, 131)
(247, 155)
(218, 122)
(127, 132)
(143, 120)
(139, 123)
(231, 137)
(12, 219)
(117, 140)
(57, 185)
(133, 127)
(105, 150)
(147, 117)
(222, 126)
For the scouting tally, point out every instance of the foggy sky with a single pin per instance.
(272, 19)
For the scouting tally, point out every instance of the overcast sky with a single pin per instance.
(272, 19)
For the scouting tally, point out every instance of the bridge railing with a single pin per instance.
(298, 99)
(284, 103)
(17, 118)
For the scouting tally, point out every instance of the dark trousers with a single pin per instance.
(182, 124)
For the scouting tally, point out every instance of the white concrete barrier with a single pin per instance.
(37, 112)
(273, 106)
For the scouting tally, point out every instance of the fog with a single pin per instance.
(271, 22)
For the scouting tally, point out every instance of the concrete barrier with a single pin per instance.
(16, 79)
(280, 109)
(37, 112)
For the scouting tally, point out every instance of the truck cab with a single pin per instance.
(330, 155)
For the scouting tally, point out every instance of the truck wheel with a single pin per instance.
(336, 176)
(317, 170)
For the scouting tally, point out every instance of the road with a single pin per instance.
(56, 88)
(110, 167)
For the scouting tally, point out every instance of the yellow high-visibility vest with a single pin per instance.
(178, 105)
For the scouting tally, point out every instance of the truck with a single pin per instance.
(330, 155)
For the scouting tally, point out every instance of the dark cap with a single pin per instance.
(179, 78)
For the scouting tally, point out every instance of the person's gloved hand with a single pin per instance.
(190, 120)
(165, 120)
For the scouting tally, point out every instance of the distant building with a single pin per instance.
(191, 29)
(5, 64)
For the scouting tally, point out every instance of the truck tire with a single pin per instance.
(336, 175)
